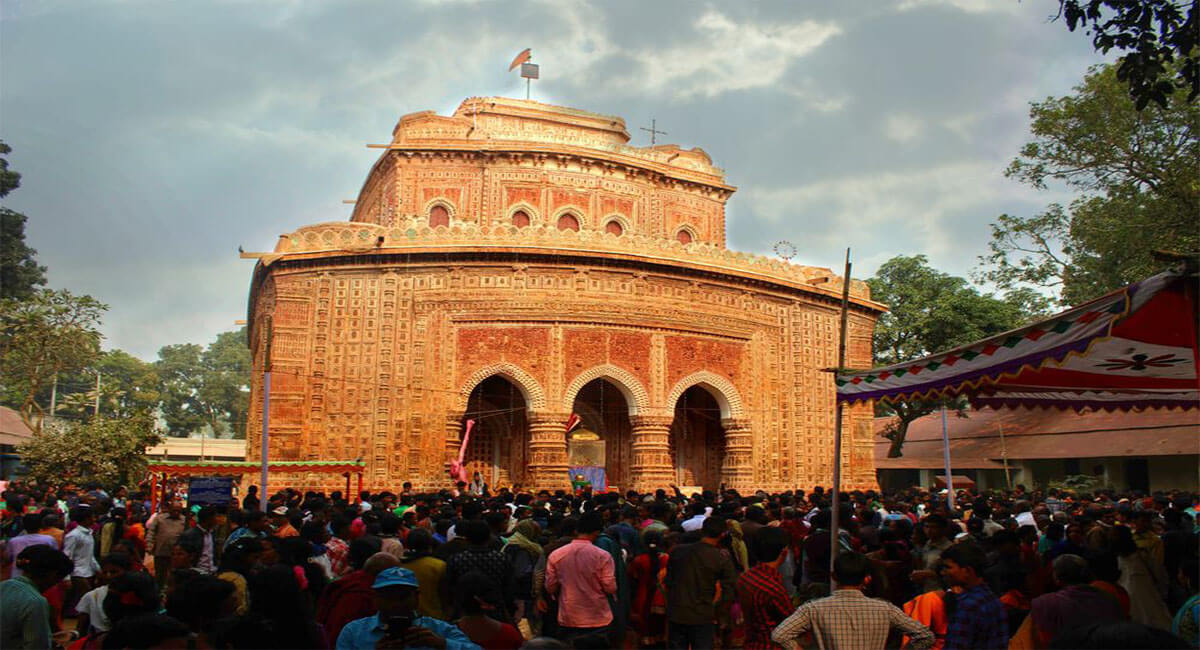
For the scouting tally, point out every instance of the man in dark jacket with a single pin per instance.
(693, 574)
(351, 597)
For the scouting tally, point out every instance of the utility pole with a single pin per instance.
(266, 416)
(834, 535)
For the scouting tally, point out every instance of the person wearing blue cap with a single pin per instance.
(397, 625)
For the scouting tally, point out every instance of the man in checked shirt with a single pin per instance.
(848, 620)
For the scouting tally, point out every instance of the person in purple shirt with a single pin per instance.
(32, 523)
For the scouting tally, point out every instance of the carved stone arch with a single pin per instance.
(687, 228)
(722, 389)
(535, 217)
(634, 392)
(531, 390)
(621, 219)
(575, 211)
(442, 202)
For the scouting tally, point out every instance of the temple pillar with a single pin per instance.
(651, 467)
(547, 451)
(737, 467)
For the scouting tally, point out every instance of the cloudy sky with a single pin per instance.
(155, 138)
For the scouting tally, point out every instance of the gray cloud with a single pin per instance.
(155, 138)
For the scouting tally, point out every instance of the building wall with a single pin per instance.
(376, 361)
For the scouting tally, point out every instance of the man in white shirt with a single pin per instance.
(79, 546)
(697, 519)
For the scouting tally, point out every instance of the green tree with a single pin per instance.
(1158, 37)
(225, 392)
(1136, 175)
(107, 450)
(930, 311)
(128, 387)
(20, 274)
(180, 378)
(44, 336)
(206, 386)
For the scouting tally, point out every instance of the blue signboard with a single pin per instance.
(210, 490)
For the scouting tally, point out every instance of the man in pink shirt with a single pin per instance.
(580, 575)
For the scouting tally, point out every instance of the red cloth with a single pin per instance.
(507, 638)
(345, 600)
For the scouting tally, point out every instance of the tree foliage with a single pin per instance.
(931, 311)
(111, 451)
(206, 387)
(1136, 175)
(128, 388)
(1158, 38)
(20, 274)
(45, 335)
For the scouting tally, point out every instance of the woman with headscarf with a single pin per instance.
(523, 552)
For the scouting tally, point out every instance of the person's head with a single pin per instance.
(1143, 521)
(114, 565)
(44, 565)
(315, 532)
(185, 553)
(419, 540)
(850, 569)
(83, 515)
(207, 517)
(589, 525)
(32, 522)
(770, 543)
(1071, 570)
(375, 564)
(963, 564)
(256, 521)
(201, 601)
(396, 591)
(362, 549)
(476, 531)
(934, 527)
(175, 507)
(131, 594)
(713, 528)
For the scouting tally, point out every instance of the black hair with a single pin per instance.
(966, 556)
(198, 601)
(130, 594)
(850, 569)
(769, 543)
(713, 527)
(474, 587)
(590, 522)
(32, 522)
(474, 531)
(118, 559)
(362, 549)
(42, 560)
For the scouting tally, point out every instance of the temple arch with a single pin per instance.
(685, 234)
(439, 212)
(621, 222)
(572, 211)
(530, 389)
(634, 392)
(722, 390)
(512, 215)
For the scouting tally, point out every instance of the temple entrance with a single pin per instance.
(697, 440)
(500, 438)
(605, 412)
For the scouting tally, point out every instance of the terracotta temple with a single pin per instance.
(516, 263)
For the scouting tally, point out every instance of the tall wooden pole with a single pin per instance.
(837, 426)
(1004, 457)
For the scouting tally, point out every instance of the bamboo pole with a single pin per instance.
(837, 426)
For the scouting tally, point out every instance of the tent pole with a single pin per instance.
(837, 428)
(946, 457)
(1004, 457)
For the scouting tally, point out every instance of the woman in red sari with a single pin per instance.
(649, 611)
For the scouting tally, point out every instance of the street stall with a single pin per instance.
(202, 475)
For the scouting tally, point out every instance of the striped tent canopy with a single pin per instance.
(1132, 349)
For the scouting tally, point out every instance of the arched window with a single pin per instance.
(684, 236)
(439, 216)
(568, 222)
(614, 227)
(520, 218)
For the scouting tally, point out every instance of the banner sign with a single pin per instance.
(210, 490)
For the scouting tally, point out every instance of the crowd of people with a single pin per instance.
(472, 568)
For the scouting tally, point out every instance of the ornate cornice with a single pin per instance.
(338, 239)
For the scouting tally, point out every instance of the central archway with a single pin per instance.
(500, 438)
(697, 439)
(603, 409)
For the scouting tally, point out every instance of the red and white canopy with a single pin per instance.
(1131, 349)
